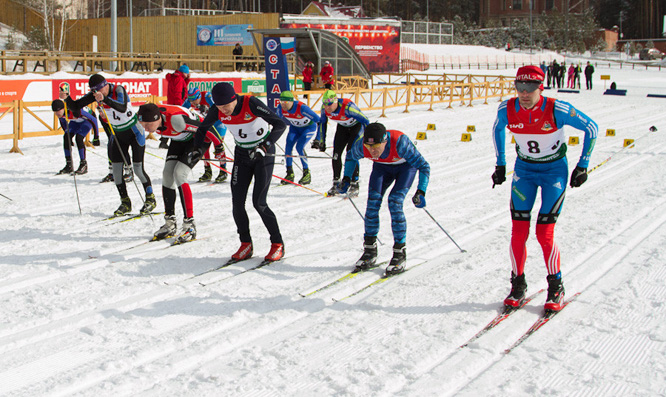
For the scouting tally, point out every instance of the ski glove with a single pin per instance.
(499, 176)
(95, 141)
(219, 152)
(260, 151)
(194, 156)
(315, 144)
(322, 146)
(419, 199)
(578, 176)
(343, 186)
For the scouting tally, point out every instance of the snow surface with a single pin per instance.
(86, 309)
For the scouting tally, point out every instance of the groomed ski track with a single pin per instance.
(99, 320)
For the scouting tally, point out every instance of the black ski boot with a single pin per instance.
(518, 290)
(222, 177)
(167, 230)
(397, 264)
(369, 258)
(307, 177)
(555, 293)
(83, 168)
(353, 189)
(149, 205)
(333, 191)
(207, 175)
(68, 169)
(289, 177)
(125, 207)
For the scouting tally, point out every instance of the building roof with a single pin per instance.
(339, 11)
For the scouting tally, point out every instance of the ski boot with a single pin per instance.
(188, 233)
(333, 191)
(244, 252)
(108, 178)
(555, 293)
(353, 189)
(149, 205)
(67, 169)
(207, 175)
(518, 289)
(276, 253)
(222, 177)
(369, 258)
(397, 264)
(289, 177)
(125, 207)
(168, 229)
(128, 175)
(307, 177)
(83, 168)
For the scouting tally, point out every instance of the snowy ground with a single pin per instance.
(86, 310)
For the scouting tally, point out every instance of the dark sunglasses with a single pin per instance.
(527, 86)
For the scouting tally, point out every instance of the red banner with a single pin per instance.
(378, 46)
(137, 89)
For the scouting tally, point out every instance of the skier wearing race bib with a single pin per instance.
(74, 125)
(178, 124)
(537, 124)
(395, 162)
(127, 133)
(303, 123)
(201, 102)
(255, 129)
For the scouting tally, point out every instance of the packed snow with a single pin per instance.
(90, 309)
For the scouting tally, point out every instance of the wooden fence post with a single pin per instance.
(409, 96)
(16, 128)
(432, 96)
(384, 95)
(487, 92)
(471, 94)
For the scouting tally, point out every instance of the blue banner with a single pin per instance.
(277, 76)
(223, 35)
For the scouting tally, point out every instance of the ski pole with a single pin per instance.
(297, 156)
(120, 150)
(285, 155)
(69, 145)
(362, 217)
(652, 129)
(6, 197)
(445, 232)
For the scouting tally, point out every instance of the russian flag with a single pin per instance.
(288, 45)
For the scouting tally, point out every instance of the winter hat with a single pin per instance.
(327, 63)
(96, 82)
(374, 133)
(149, 112)
(57, 105)
(193, 94)
(184, 69)
(287, 96)
(530, 73)
(223, 93)
(329, 97)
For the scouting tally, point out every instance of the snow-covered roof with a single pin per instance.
(338, 11)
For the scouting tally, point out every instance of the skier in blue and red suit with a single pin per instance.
(303, 123)
(395, 159)
(75, 125)
(537, 123)
(201, 103)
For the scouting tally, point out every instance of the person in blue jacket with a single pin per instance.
(537, 124)
(76, 125)
(303, 123)
(395, 162)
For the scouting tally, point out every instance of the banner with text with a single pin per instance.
(277, 76)
(223, 35)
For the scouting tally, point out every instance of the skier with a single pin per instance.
(74, 125)
(351, 122)
(303, 124)
(178, 124)
(537, 123)
(201, 103)
(248, 120)
(127, 133)
(395, 159)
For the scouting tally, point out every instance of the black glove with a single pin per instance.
(194, 156)
(322, 146)
(219, 152)
(260, 151)
(578, 176)
(499, 176)
(95, 141)
(419, 199)
(315, 144)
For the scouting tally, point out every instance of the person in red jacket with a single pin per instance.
(327, 75)
(176, 92)
(307, 76)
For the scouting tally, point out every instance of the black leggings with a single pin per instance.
(344, 138)
(245, 168)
